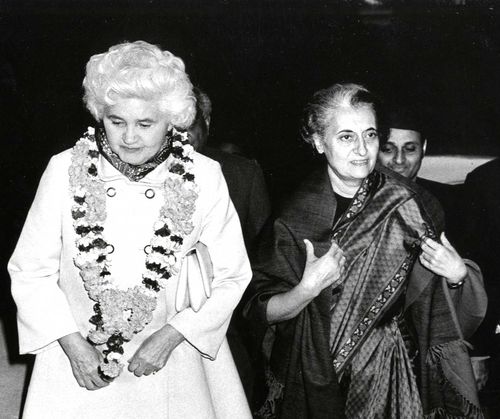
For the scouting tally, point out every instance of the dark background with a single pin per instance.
(259, 61)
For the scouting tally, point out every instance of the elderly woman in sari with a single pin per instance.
(363, 330)
(97, 274)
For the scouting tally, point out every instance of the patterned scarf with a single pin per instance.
(380, 250)
(381, 234)
(132, 172)
(355, 331)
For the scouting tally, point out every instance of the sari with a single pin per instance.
(349, 351)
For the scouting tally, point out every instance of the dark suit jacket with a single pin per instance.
(481, 224)
(247, 189)
(448, 197)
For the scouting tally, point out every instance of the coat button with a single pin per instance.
(150, 193)
(111, 192)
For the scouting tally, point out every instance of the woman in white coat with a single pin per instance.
(95, 274)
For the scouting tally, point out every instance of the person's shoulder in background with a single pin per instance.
(486, 172)
(231, 162)
(449, 196)
(435, 188)
(247, 189)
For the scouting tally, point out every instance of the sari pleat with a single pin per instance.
(382, 381)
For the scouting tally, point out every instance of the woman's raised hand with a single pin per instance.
(154, 352)
(321, 272)
(85, 360)
(443, 260)
(318, 274)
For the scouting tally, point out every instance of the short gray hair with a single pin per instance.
(320, 110)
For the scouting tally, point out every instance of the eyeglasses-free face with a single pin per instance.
(350, 144)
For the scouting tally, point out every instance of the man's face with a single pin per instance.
(198, 132)
(403, 152)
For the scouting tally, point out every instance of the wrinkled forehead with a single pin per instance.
(400, 137)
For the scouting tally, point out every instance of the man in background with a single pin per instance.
(244, 177)
(403, 152)
(248, 191)
(481, 225)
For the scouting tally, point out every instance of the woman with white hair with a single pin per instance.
(363, 330)
(120, 329)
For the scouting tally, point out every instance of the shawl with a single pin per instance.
(304, 366)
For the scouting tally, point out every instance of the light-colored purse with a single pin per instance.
(195, 279)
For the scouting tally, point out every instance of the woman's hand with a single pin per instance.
(443, 260)
(321, 272)
(85, 360)
(154, 352)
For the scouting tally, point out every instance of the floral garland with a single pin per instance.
(119, 314)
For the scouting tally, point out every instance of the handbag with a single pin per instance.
(194, 286)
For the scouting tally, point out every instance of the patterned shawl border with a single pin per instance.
(390, 293)
(357, 204)
(393, 288)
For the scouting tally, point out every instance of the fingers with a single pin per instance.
(144, 370)
(134, 365)
(309, 251)
(81, 382)
(338, 282)
(137, 368)
(433, 250)
(427, 262)
(430, 258)
(98, 382)
(140, 368)
(339, 260)
(91, 381)
(431, 264)
(334, 248)
(430, 244)
(85, 361)
(424, 260)
(149, 371)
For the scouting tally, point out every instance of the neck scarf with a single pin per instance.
(132, 172)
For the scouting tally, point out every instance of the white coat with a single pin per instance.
(199, 379)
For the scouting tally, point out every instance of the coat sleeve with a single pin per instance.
(470, 300)
(221, 233)
(42, 309)
(278, 266)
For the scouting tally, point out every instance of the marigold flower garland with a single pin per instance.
(119, 314)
